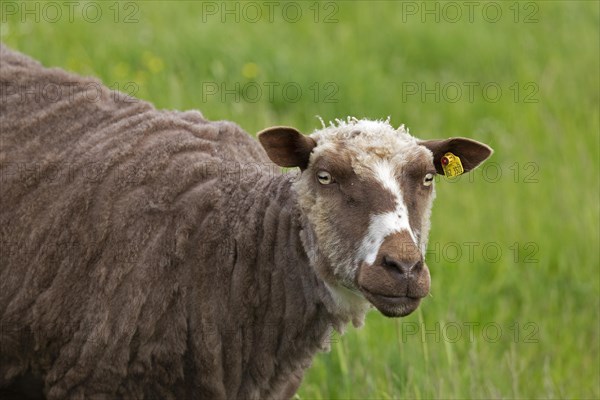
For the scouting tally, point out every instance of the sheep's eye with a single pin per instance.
(428, 180)
(324, 177)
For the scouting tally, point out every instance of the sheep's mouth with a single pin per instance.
(391, 305)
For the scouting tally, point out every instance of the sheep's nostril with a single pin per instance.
(417, 266)
(391, 262)
(400, 265)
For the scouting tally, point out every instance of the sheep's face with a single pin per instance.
(366, 190)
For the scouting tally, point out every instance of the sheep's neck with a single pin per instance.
(284, 243)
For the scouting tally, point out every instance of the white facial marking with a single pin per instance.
(382, 225)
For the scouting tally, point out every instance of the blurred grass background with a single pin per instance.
(514, 253)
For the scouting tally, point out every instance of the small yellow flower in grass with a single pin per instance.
(250, 70)
(120, 70)
(154, 63)
(77, 64)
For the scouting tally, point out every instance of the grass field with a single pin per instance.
(514, 253)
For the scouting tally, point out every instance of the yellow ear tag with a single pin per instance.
(451, 165)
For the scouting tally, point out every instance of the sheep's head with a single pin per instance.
(366, 190)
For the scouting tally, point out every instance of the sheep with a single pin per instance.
(152, 254)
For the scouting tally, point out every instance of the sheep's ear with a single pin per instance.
(286, 146)
(471, 152)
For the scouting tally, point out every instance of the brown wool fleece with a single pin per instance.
(146, 254)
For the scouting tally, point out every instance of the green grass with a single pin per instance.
(544, 208)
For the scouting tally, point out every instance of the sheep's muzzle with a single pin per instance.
(398, 279)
